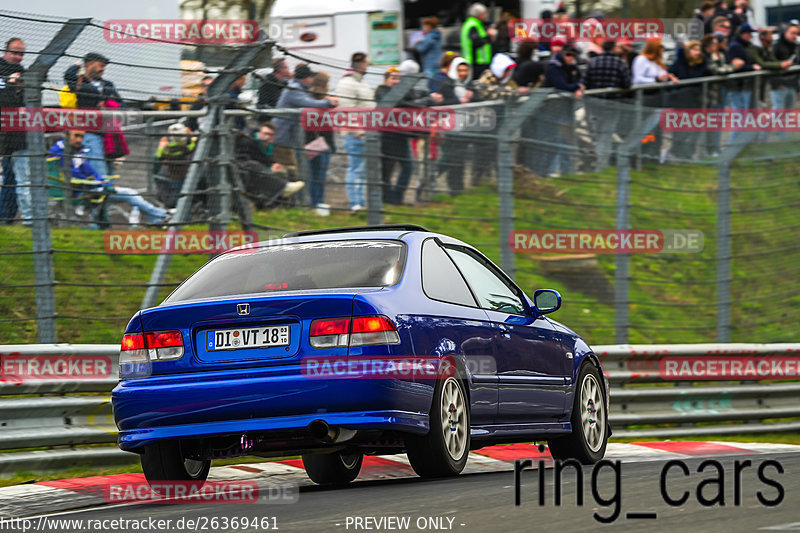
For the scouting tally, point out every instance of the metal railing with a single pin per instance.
(67, 420)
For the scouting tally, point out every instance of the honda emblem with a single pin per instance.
(243, 309)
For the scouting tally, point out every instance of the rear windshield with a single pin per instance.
(297, 267)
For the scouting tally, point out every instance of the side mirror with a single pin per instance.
(546, 301)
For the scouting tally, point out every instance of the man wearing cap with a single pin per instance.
(353, 91)
(476, 39)
(274, 83)
(92, 91)
(13, 143)
(741, 58)
(295, 95)
(563, 74)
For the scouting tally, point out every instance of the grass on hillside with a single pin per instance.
(672, 296)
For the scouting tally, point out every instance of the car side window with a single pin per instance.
(441, 279)
(492, 291)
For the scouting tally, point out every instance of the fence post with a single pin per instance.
(374, 178)
(243, 61)
(505, 192)
(622, 272)
(724, 252)
(724, 232)
(642, 125)
(638, 104)
(303, 165)
(151, 149)
(221, 180)
(44, 273)
(512, 120)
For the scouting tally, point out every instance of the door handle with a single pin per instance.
(505, 331)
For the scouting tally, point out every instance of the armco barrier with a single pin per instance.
(643, 403)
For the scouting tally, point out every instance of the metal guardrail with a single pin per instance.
(644, 404)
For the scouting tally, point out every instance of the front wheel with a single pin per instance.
(589, 437)
(166, 461)
(333, 468)
(445, 449)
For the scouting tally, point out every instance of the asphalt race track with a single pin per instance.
(764, 496)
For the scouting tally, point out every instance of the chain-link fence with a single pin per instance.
(542, 162)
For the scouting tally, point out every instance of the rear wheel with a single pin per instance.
(165, 461)
(589, 437)
(445, 449)
(333, 468)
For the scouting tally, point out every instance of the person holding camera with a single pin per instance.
(85, 79)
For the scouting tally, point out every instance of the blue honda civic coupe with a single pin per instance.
(338, 343)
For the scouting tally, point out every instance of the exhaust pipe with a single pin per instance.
(321, 431)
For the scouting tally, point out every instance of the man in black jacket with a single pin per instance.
(270, 90)
(86, 81)
(13, 144)
(557, 117)
(742, 60)
(783, 89)
(606, 71)
(396, 146)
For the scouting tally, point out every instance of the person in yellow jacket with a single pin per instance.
(476, 39)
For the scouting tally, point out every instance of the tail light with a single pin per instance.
(356, 331)
(139, 349)
(133, 359)
(164, 345)
(368, 330)
(329, 332)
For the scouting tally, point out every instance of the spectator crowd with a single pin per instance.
(271, 153)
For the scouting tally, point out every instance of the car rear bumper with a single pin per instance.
(262, 400)
(381, 420)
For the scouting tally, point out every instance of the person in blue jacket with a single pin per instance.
(82, 169)
(430, 47)
(295, 95)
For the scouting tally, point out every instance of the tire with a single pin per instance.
(444, 450)
(332, 468)
(164, 461)
(589, 437)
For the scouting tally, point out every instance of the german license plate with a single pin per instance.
(236, 339)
